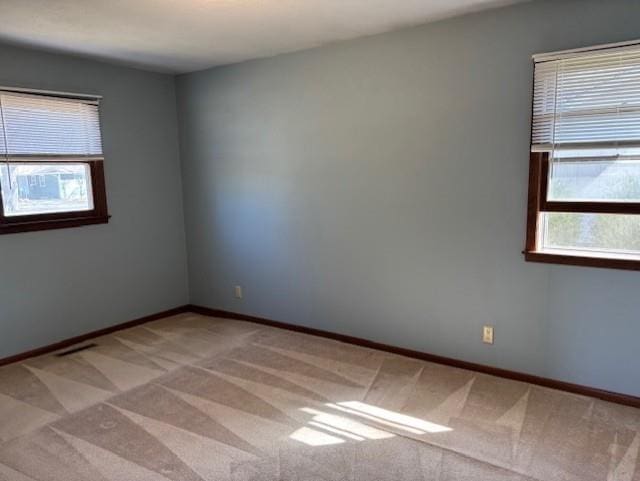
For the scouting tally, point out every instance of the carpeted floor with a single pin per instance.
(192, 398)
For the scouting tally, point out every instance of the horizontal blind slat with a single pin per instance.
(587, 98)
(41, 125)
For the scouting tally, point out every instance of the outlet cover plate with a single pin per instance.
(487, 334)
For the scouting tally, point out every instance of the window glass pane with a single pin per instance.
(595, 176)
(45, 188)
(606, 233)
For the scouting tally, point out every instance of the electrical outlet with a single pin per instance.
(238, 292)
(487, 334)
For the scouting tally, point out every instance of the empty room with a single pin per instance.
(320, 240)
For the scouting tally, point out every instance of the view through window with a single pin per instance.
(46, 188)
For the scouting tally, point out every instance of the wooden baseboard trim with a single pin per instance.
(613, 397)
(56, 346)
(619, 398)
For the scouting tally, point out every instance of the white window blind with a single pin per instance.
(47, 126)
(587, 99)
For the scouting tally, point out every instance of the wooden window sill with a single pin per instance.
(58, 223)
(627, 263)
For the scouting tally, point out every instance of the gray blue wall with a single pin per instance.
(58, 284)
(377, 188)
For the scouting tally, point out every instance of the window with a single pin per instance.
(584, 175)
(51, 163)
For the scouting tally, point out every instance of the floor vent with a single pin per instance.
(76, 349)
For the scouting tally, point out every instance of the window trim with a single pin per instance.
(538, 203)
(62, 220)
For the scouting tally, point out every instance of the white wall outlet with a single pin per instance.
(237, 291)
(487, 334)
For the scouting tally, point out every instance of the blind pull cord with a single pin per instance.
(6, 146)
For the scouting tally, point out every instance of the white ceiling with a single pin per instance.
(187, 35)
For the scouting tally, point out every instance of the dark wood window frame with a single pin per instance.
(37, 222)
(539, 203)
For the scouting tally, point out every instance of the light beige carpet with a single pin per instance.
(192, 398)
